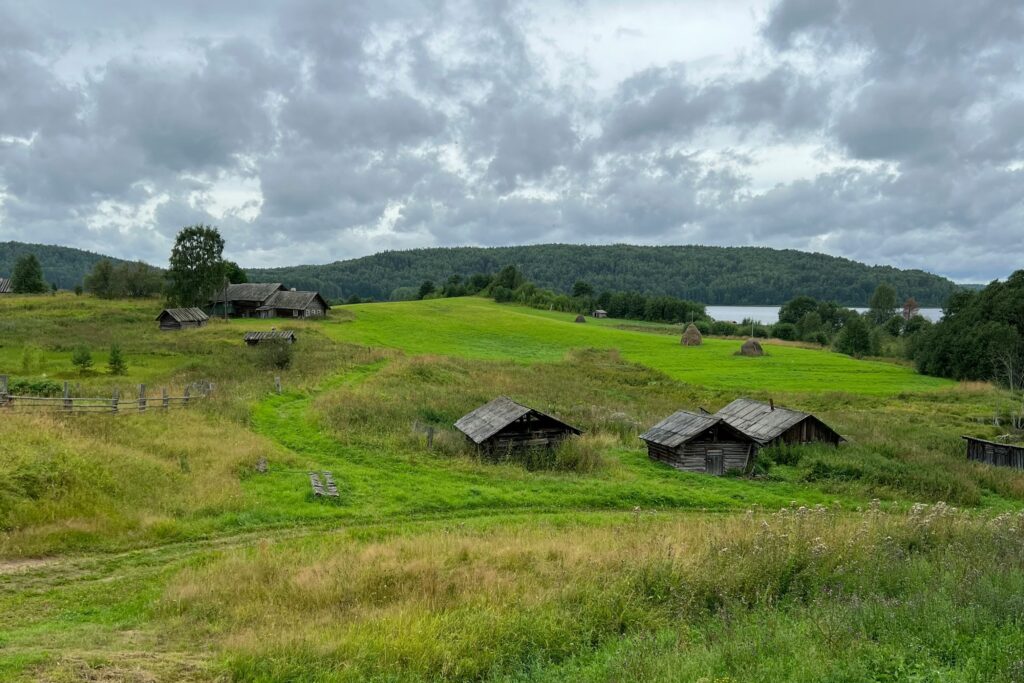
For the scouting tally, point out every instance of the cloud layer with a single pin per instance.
(889, 132)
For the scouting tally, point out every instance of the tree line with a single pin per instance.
(714, 275)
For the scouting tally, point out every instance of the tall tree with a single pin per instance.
(197, 267)
(100, 280)
(581, 289)
(27, 277)
(882, 305)
(137, 279)
(910, 308)
(234, 273)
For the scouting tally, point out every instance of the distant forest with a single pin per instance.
(62, 266)
(711, 275)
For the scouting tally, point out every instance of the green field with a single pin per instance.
(147, 547)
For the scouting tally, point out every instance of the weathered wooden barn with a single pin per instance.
(256, 338)
(181, 318)
(995, 453)
(700, 443)
(769, 425)
(5, 286)
(502, 426)
(294, 304)
(268, 300)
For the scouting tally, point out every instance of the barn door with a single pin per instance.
(714, 462)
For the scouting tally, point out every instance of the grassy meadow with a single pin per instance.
(147, 546)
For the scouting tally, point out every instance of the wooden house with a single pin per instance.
(242, 300)
(5, 286)
(181, 318)
(293, 304)
(256, 338)
(995, 453)
(600, 314)
(769, 425)
(700, 443)
(503, 425)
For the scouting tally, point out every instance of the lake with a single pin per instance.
(769, 315)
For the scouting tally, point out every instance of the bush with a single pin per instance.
(276, 354)
(116, 363)
(34, 387)
(703, 326)
(785, 331)
(724, 328)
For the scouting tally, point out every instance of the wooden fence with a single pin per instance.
(73, 404)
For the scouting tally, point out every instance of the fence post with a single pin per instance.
(142, 398)
(187, 392)
(167, 399)
(3, 389)
(277, 383)
(114, 400)
(430, 437)
(67, 396)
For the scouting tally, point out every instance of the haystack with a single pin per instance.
(580, 319)
(751, 347)
(691, 337)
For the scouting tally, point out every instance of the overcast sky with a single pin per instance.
(888, 131)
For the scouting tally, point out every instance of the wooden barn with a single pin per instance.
(181, 318)
(700, 443)
(5, 286)
(769, 425)
(293, 304)
(256, 338)
(503, 425)
(995, 453)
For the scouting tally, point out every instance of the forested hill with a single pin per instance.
(712, 275)
(62, 266)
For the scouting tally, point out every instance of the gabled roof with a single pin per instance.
(5, 286)
(269, 334)
(492, 417)
(249, 291)
(760, 421)
(679, 427)
(184, 315)
(293, 300)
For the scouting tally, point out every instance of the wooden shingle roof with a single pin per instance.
(249, 291)
(490, 418)
(5, 286)
(293, 300)
(184, 315)
(759, 420)
(256, 337)
(679, 427)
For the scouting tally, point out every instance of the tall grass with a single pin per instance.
(801, 594)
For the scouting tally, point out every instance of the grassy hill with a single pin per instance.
(62, 266)
(149, 547)
(711, 275)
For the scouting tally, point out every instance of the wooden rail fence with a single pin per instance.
(113, 405)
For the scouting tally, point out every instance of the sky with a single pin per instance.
(886, 131)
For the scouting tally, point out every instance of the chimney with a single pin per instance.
(771, 403)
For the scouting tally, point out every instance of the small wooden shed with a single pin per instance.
(700, 443)
(600, 314)
(256, 338)
(995, 453)
(768, 424)
(502, 426)
(181, 318)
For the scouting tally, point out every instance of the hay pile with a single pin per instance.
(751, 347)
(691, 337)
(580, 319)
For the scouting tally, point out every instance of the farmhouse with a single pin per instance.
(268, 300)
(769, 425)
(700, 443)
(5, 286)
(503, 425)
(256, 338)
(995, 453)
(181, 318)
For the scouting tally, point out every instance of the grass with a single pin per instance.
(146, 547)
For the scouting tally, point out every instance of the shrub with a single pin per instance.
(276, 354)
(34, 387)
(785, 331)
(116, 363)
(724, 328)
(82, 359)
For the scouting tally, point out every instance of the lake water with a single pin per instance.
(769, 315)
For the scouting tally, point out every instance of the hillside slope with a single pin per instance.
(62, 266)
(712, 275)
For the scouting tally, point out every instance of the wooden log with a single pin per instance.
(331, 487)
(314, 480)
